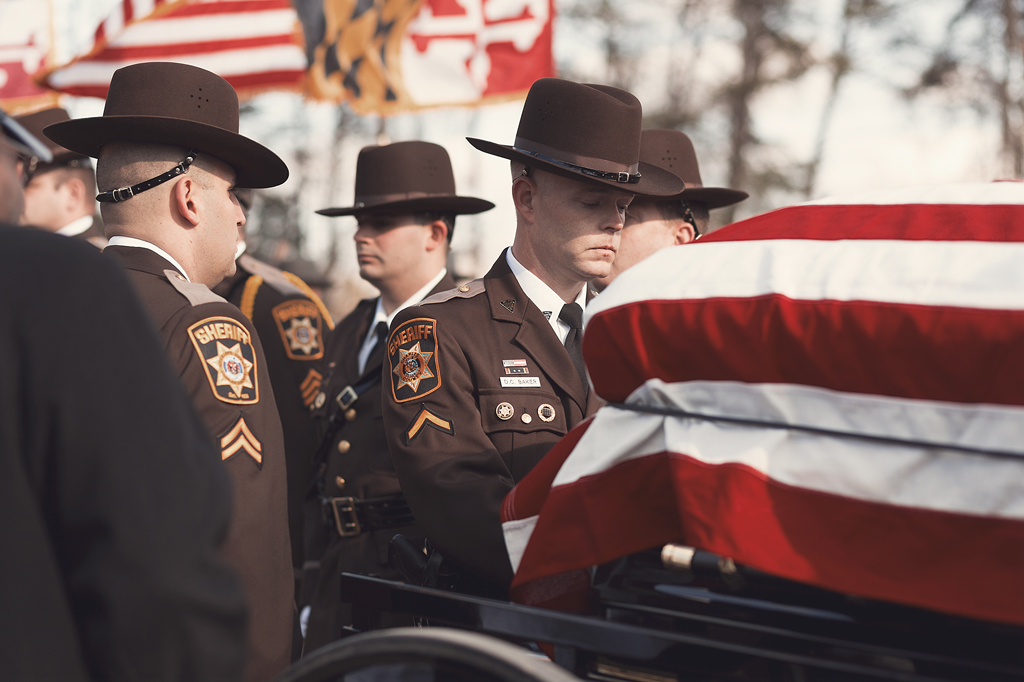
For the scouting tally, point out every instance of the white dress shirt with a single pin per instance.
(543, 296)
(138, 243)
(380, 316)
(76, 227)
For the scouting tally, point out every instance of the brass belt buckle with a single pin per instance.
(345, 519)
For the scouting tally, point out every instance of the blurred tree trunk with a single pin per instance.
(764, 24)
(1011, 109)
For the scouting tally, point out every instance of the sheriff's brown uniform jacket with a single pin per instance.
(112, 496)
(220, 362)
(94, 235)
(477, 389)
(358, 464)
(293, 328)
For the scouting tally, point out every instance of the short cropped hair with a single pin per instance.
(678, 209)
(448, 219)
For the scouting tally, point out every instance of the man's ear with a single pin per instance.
(438, 235)
(524, 196)
(683, 232)
(76, 191)
(183, 198)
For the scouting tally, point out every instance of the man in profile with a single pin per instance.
(59, 196)
(170, 157)
(405, 204)
(654, 223)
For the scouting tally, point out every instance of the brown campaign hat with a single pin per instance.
(174, 104)
(407, 177)
(586, 132)
(35, 122)
(673, 151)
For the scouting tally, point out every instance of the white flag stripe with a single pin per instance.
(143, 8)
(517, 536)
(978, 193)
(985, 275)
(935, 479)
(213, 27)
(225, 64)
(997, 428)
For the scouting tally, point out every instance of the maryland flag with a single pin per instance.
(24, 51)
(831, 392)
(387, 56)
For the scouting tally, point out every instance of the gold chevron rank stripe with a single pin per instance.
(239, 437)
(310, 386)
(427, 418)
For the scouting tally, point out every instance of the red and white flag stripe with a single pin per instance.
(253, 44)
(842, 407)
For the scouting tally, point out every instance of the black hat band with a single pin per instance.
(624, 177)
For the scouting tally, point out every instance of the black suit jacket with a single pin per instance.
(112, 496)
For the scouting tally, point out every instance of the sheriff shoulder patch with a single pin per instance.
(413, 354)
(228, 359)
(301, 328)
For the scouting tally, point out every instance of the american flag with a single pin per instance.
(253, 44)
(832, 393)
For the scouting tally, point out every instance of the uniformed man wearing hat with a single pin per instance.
(169, 158)
(653, 223)
(60, 194)
(293, 325)
(405, 205)
(113, 498)
(482, 380)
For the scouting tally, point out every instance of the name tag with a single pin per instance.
(520, 382)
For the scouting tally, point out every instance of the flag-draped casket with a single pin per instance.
(831, 392)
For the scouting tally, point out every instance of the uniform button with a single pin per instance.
(340, 482)
(319, 402)
(344, 446)
(464, 288)
(350, 414)
(526, 418)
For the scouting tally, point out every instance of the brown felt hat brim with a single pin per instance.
(255, 166)
(713, 197)
(653, 180)
(441, 204)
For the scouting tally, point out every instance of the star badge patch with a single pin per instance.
(301, 327)
(413, 354)
(228, 359)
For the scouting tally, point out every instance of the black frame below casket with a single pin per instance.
(654, 624)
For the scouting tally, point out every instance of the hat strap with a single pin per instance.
(627, 175)
(124, 193)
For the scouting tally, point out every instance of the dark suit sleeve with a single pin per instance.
(454, 479)
(131, 489)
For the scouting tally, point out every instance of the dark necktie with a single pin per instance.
(381, 332)
(572, 315)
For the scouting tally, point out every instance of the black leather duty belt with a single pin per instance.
(353, 516)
